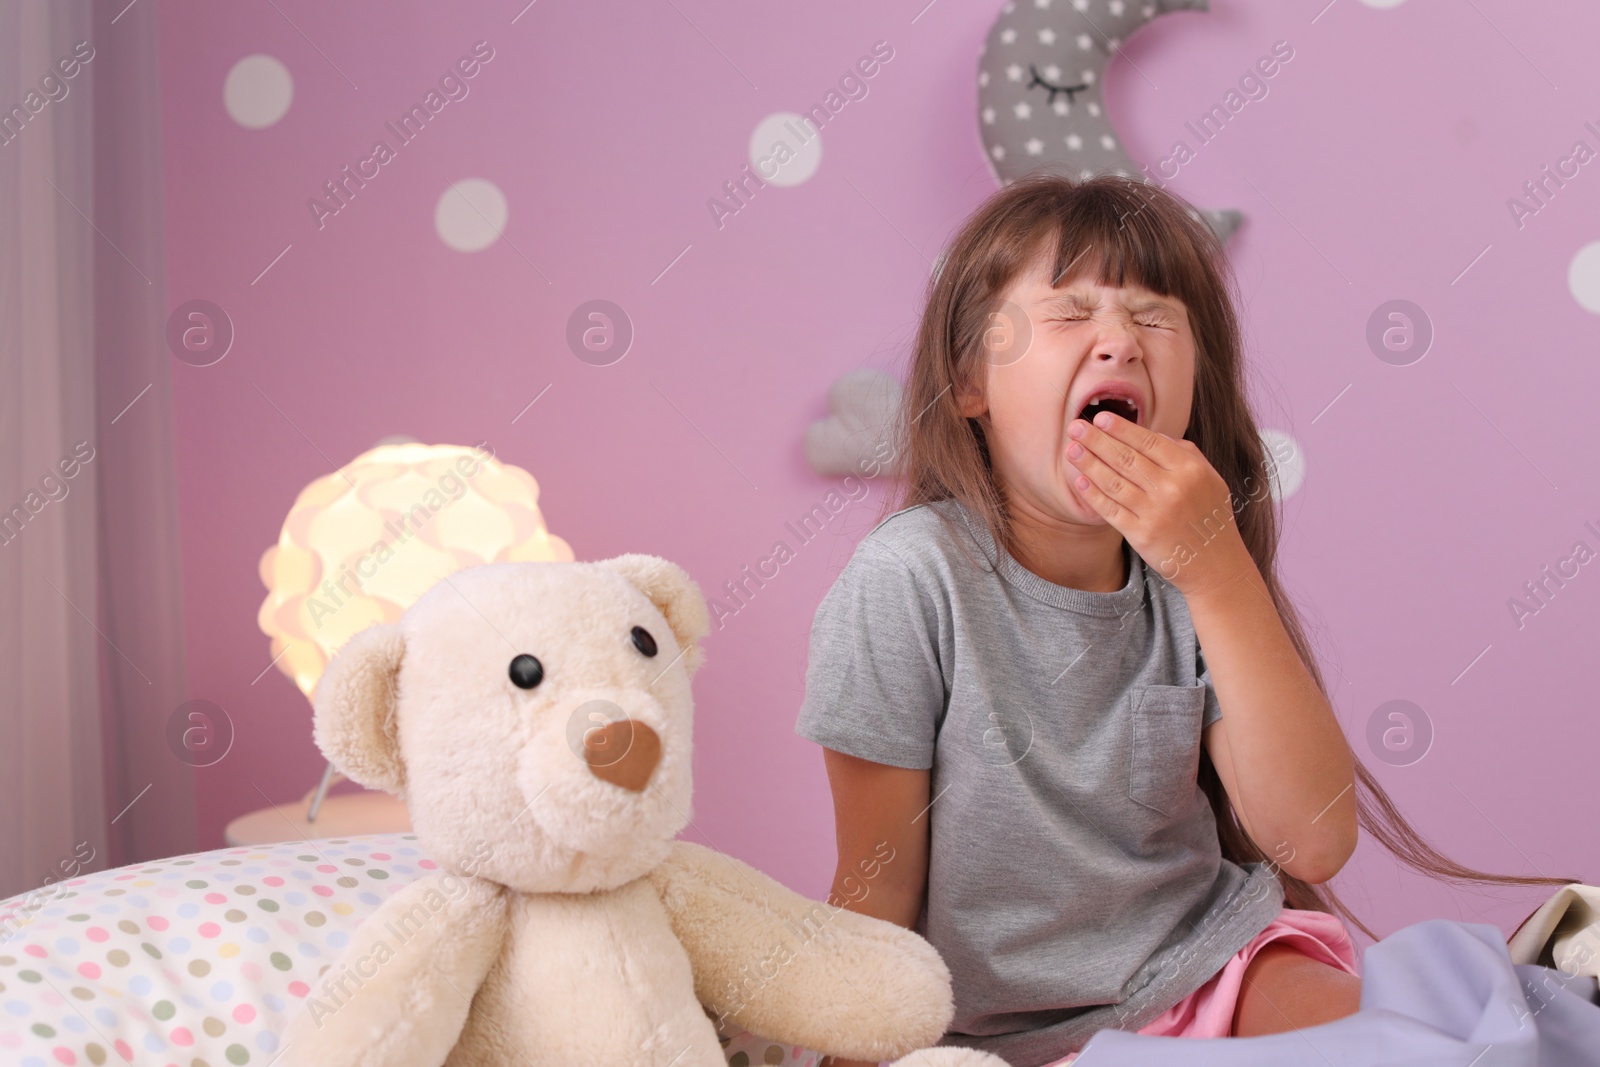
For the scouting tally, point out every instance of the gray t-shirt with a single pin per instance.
(1075, 880)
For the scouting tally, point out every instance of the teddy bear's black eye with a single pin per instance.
(643, 641)
(526, 671)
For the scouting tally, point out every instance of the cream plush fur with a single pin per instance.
(567, 926)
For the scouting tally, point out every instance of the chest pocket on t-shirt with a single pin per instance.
(1166, 746)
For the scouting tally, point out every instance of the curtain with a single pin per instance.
(91, 654)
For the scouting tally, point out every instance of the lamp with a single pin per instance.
(358, 547)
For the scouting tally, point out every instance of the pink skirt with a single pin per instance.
(1208, 1011)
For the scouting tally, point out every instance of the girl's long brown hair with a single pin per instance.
(1126, 230)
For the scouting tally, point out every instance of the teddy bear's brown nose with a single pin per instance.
(623, 753)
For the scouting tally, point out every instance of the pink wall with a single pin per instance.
(1378, 168)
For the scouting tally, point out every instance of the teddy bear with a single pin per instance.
(536, 719)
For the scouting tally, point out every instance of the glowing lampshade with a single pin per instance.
(360, 545)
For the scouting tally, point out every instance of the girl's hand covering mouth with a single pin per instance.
(1164, 496)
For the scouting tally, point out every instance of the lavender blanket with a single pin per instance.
(1434, 994)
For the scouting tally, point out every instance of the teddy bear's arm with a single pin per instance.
(399, 994)
(797, 971)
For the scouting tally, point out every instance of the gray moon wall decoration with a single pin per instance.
(1041, 89)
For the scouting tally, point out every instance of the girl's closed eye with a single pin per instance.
(1149, 320)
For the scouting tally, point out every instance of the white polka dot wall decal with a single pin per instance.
(1286, 463)
(257, 91)
(1583, 277)
(470, 215)
(785, 149)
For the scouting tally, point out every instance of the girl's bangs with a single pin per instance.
(1118, 241)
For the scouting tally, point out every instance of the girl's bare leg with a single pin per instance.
(1284, 989)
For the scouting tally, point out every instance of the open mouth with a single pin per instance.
(1116, 405)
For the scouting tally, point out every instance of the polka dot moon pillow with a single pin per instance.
(196, 961)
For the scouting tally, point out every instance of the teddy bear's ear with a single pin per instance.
(355, 706)
(675, 595)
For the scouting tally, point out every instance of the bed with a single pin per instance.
(200, 960)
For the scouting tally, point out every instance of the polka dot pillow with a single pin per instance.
(200, 961)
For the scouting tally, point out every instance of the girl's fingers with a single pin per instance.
(1157, 448)
(1116, 455)
(1109, 482)
(1108, 509)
